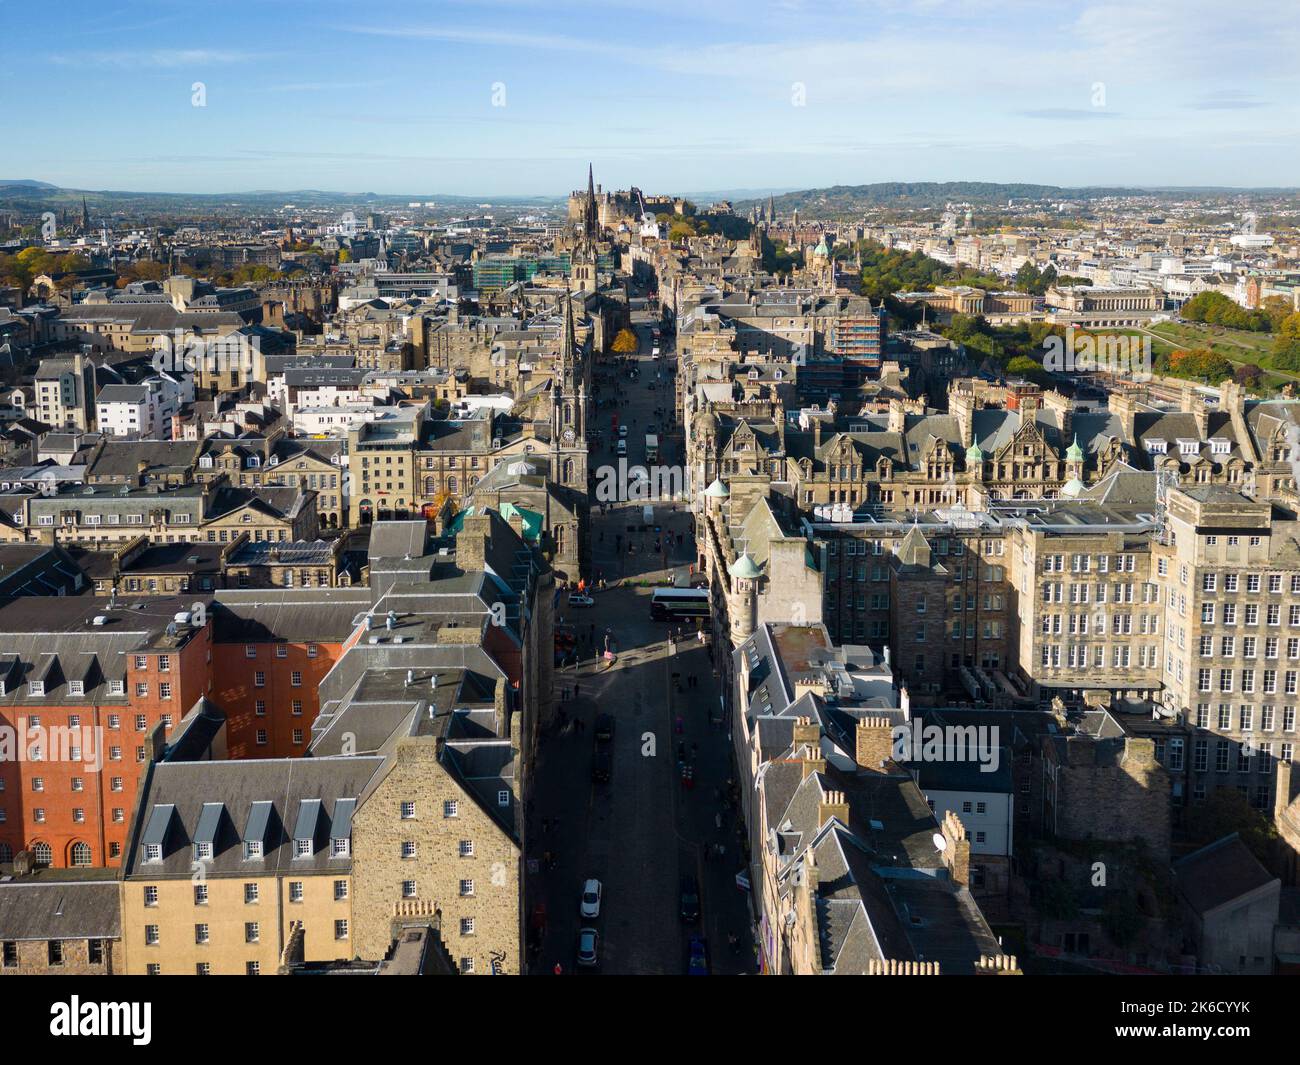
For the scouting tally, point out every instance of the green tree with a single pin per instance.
(1227, 811)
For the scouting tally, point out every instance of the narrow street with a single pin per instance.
(645, 828)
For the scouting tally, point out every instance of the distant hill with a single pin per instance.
(848, 199)
(40, 195)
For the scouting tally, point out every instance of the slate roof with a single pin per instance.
(60, 909)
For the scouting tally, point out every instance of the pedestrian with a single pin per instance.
(559, 969)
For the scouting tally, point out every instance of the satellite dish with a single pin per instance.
(940, 843)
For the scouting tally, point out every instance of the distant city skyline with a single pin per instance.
(513, 97)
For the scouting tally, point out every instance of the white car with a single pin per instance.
(591, 898)
(622, 430)
(580, 599)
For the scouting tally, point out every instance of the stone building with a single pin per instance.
(59, 925)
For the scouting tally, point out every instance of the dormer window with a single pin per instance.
(252, 850)
(206, 462)
(1189, 447)
(36, 687)
(1219, 446)
(203, 852)
(254, 462)
(1157, 447)
(153, 852)
(76, 687)
(340, 848)
(302, 848)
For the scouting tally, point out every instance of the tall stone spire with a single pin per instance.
(568, 345)
(590, 213)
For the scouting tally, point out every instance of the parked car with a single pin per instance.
(604, 728)
(591, 891)
(581, 599)
(600, 766)
(588, 947)
(689, 900)
(622, 430)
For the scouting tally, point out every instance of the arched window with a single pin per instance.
(451, 485)
(81, 854)
(42, 855)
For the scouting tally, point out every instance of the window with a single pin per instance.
(408, 889)
(503, 797)
(295, 679)
(340, 890)
(408, 848)
(151, 935)
(466, 848)
(150, 895)
(467, 926)
(203, 968)
(252, 933)
(450, 808)
(200, 894)
(466, 888)
(252, 968)
(408, 810)
(341, 929)
(251, 893)
(201, 934)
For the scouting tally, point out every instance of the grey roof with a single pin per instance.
(261, 796)
(60, 909)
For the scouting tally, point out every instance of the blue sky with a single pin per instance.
(671, 95)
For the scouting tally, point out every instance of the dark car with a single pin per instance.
(699, 960)
(689, 908)
(604, 727)
(588, 947)
(600, 767)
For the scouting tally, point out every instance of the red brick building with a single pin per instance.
(82, 689)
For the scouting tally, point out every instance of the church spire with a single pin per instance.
(590, 212)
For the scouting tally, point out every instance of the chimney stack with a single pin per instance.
(833, 804)
(956, 852)
(875, 744)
